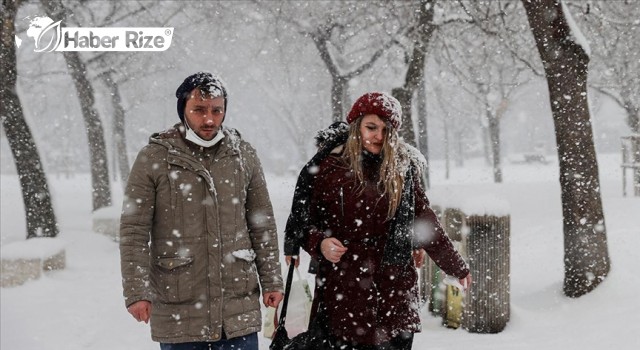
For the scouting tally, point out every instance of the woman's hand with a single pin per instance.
(466, 282)
(332, 249)
(418, 257)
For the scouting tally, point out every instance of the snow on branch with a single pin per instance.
(574, 31)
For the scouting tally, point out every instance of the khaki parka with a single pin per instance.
(198, 238)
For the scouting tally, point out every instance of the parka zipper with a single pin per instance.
(217, 213)
(207, 175)
(203, 172)
(214, 194)
(199, 169)
(342, 202)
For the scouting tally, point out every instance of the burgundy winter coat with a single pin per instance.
(368, 302)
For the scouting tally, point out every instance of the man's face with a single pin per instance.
(204, 115)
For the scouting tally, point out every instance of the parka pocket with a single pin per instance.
(245, 279)
(174, 279)
(252, 278)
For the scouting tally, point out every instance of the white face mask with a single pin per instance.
(193, 137)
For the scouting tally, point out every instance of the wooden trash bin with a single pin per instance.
(487, 302)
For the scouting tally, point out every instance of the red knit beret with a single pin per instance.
(383, 105)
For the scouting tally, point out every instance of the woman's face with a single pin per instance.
(373, 131)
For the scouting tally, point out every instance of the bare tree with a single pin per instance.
(565, 59)
(613, 28)
(455, 122)
(423, 134)
(116, 68)
(422, 33)
(93, 124)
(110, 69)
(295, 128)
(118, 125)
(350, 37)
(492, 85)
(41, 219)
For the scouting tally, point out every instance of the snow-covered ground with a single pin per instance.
(81, 307)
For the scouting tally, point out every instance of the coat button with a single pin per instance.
(216, 335)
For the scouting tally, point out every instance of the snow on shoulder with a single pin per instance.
(233, 137)
(409, 155)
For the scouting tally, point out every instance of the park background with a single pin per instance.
(481, 66)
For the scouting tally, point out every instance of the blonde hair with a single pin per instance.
(391, 180)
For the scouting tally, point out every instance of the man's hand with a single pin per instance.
(287, 259)
(140, 310)
(272, 299)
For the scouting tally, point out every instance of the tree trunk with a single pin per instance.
(338, 82)
(118, 127)
(95, 133)
(633, 119)
(565, 63)
(460, 142)
(415, 71)
(494, 136)
(447, 150)
(338, 91)
(404, 97)
(635, 155)
(423, 137)
(321, 37)
(633, 116)
(486, 148)
(41, 219)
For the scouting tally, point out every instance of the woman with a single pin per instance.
(360, 211)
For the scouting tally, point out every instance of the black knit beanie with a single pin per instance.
(208, 84)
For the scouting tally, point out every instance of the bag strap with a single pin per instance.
(287, 291)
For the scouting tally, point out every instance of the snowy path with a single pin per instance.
(81, 307)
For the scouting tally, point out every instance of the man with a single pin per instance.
(197, 236)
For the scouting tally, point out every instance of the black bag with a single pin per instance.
(280, 339)
(316, 337)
